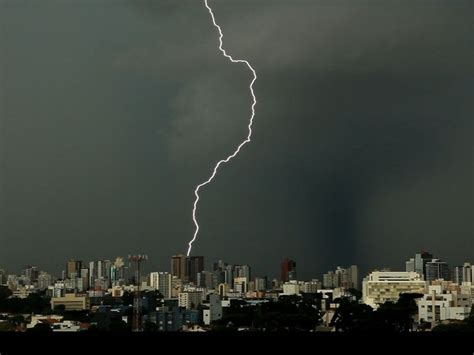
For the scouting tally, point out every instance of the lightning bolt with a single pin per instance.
(247, 140)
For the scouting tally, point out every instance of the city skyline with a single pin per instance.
(209, 265)
(363, 135)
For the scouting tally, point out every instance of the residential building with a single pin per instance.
(438, 305)
(162, 282)
(214, 311)
(190, 299)
(291, 288)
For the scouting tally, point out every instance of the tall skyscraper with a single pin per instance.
(464, 273)
(437, 269)
(195, 266)
(92, 273)
(73, 268)
(44, 280)
(288, 268)
(179, 267)
(161, 281)
(31, 272)
(242, 271)
(261, 283)
(353, 277)
(420, 262)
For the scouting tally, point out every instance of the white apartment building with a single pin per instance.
(438, 305)
(382, 286)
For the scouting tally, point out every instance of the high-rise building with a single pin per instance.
(463, 273)
(73, 267)
(179, 267)
(410, 265)
(207, 279)
(436, 269)
(241, 284)
(261, 283)
(229, 276)
(92, 273)
(161, 281)
(242, 271)
(311, 287)
(190, 299)
(214, 311)
(84, 275)
(420, 262)
(342, 277)
(31, 272)
(44, 280)
(195, 266)
(353, 277)
(288, 270)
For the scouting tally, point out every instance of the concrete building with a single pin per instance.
(32, 273)
(174, 319)
(464, 273)
(241, 284)
(214, 311)
(190, 299)
(467, 288)
(207, 279)
(342, 277)
(410, 265)
(73, 268)
(224, 289)
(72, 302)
(420, 262)
(44, 281)
(439, 305)
(261, 283)
(242, 271)
(162, 282)
(311, 286)
(382, 286)
(291, 288)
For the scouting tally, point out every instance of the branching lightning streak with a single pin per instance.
(196, 191)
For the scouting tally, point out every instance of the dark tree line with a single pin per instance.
(397, 316)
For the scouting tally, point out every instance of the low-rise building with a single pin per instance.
(382, 286)
(71, 302)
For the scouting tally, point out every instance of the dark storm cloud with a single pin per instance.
(362, 150)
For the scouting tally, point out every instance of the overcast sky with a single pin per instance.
(113, 111)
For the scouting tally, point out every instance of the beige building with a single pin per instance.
(190, 299)
(72, 302)
(382, 286)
